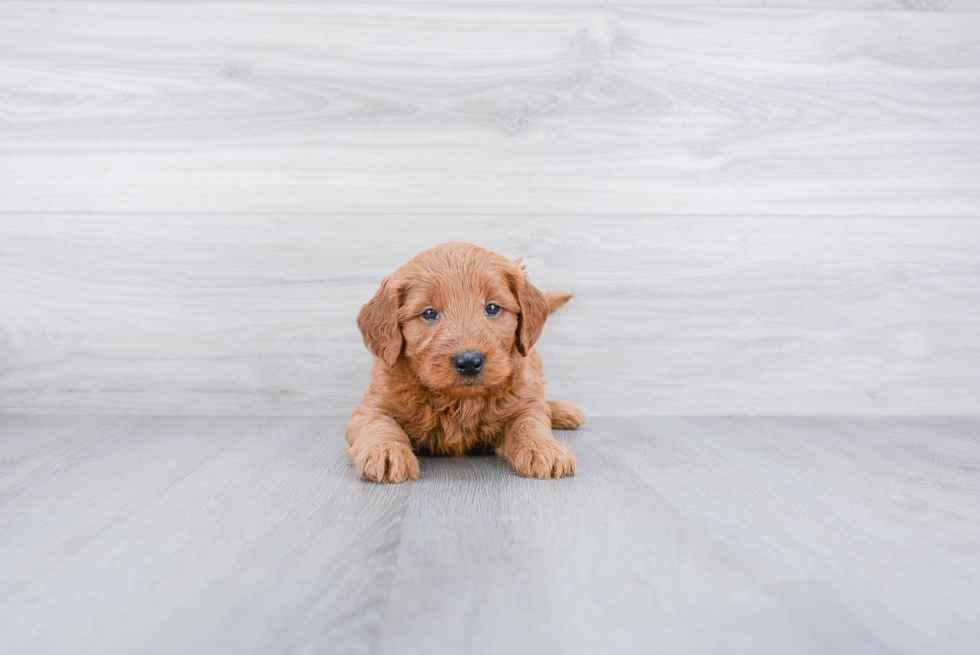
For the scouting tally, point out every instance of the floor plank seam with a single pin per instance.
(381, 634)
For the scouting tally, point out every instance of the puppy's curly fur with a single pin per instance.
(417, 398)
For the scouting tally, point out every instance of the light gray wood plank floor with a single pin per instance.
(727, 535)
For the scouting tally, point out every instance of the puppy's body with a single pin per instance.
(431, 311)
(447, 425)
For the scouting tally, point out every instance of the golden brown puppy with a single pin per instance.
(454, 369)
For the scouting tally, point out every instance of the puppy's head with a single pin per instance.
(458, 315)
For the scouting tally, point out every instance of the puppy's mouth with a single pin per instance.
(469, 383)
(469, 386)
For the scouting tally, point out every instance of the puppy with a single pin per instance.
(452, 333)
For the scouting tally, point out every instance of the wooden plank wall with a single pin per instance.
(762, 210)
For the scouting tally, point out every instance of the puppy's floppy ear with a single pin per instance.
(378, 323)
(533, 310)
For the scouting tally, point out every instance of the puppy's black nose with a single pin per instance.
(469, 362)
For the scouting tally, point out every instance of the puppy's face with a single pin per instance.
(456, 315)
(459, 328)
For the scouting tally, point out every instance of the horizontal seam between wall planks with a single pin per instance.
(944, 217)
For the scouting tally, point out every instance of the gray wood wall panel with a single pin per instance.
(762, 210)
(351, 107)
(254, 314)
(858, 5)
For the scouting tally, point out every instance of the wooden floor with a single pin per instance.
(700, 535)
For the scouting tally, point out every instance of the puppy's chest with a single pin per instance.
(457, 429)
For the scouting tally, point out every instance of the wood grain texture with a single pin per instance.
(707, 535)
(856, 5)
(246, 314)
(193, 535)
(353, 107)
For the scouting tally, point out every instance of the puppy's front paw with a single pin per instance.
(387, 462)
(542, 458)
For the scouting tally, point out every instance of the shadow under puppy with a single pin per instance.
(452, 332)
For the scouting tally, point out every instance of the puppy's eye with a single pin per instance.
(430, 315)
(491, 309)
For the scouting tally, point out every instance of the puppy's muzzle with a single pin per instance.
(469, 362)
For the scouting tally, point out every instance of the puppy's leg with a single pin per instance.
(565, 416)
(379, 448)
(532, 450)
